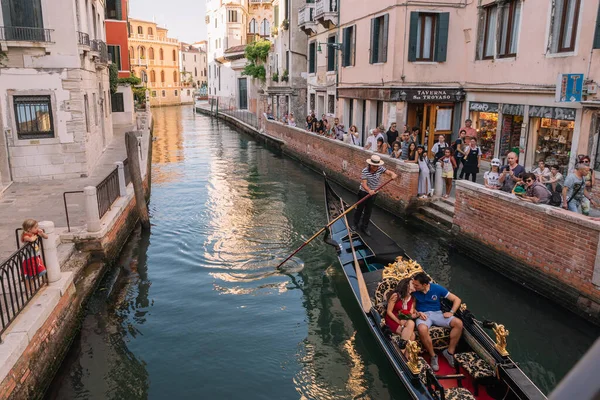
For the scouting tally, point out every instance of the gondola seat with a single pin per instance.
(457, 393)
(440, 337)
(478, 368)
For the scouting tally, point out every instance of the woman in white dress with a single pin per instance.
(424, 180)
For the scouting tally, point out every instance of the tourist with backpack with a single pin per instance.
(574, 192)
(535, 192)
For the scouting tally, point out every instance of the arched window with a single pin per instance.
(152, 76)
(143, 76)
(161, 54)
(265, 28)
(174, 55)
(162, 76)
(151, 53)
(140, 30)
(175, 76)
(195, 71)
(131, 52)
(142, 51)
(253, 26)
(150, 31)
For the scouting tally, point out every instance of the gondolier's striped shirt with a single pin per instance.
(373, 179)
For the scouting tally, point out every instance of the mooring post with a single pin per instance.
(439, 181)
(131, 144)
(92, 214)
(122, 183)
(50, 251)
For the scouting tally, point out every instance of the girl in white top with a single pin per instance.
(490, 178)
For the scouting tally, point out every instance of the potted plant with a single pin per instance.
(285, 24)
(275, 77)
(285, 77)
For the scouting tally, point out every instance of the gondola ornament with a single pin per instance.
(412, 356)
(501, 334)
(463, 307)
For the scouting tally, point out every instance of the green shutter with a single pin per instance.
(384, 50)
(441, 37)
(412, 36)
(346, 47)
(353, 46)
(373, 58)
(119, 10)
(597, 32)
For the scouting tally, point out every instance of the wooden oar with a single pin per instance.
(365, 300)
(332, 222)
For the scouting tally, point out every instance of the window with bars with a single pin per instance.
(33, 117)
(564, 25)
(428, 39)
(117, 102)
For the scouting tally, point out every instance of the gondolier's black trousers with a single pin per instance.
(364, 210)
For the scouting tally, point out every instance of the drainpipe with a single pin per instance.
(337, 68)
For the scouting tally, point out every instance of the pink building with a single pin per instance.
(524, 71)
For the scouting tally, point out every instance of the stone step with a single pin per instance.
(450, 200)
(443, 207)
(437, 216)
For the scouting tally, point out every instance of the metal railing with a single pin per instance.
(100, 47)
(245, 116)
(126, 171)
(66, 209)
(325, 6)
(83, 39)
(25, 34)
(21, 277)
(108, 192)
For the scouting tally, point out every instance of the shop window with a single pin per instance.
(510, 134)
(379, 39)
(115, 55)
(487, 124)
(33, 117)
(428, 39)
(117, 102)
(564, 25)
(331, 104)
(331, 51)
(312, 57)
(554, 142)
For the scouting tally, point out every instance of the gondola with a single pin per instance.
(372, 265)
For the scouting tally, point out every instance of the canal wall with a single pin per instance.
(547, 249)
(37, 341)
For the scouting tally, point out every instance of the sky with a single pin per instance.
(183, 18)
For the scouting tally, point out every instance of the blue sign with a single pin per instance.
(569, 88)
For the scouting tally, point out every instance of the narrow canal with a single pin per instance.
(194, 310)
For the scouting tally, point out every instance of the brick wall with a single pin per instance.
(344, 163)
(548, 249)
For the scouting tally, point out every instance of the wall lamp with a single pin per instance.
(459, 95)
(403, 96)
(337, 46)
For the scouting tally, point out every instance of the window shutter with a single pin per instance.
(373, 57)
(353, 44)
(441, 37)
(386, 20)
(119, 10)
(412, 36)
(346, 51)
(597, 32)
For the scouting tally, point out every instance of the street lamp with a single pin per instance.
(336, 46)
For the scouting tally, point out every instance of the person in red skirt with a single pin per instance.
(33, 266)
(401, 312)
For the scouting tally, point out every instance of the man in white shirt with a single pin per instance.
(371, 144)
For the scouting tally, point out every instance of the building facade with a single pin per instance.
(154, 57)
(193, 66)
(230, 27)
(54, 89)
(117, 35)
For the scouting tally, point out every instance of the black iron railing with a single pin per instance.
(127, 171)
(24, 34)
(100, 47)
(108, 192)
(66, 209)
(21, 277)
(83, 38)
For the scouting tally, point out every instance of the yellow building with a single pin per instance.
(154, 58)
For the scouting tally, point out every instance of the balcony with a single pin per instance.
(99, 47)
(152, 38)
(23, 34)
(83, 39)
(326, 12)
(142, 62)
(306, 19)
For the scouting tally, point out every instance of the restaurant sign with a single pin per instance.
(483, 107)
(424, 95)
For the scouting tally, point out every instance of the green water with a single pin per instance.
(194, 310)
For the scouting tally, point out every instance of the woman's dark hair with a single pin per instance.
(422, 278)
(413, 145)
(461, 131)
(396, 143)
(528, 175)
(380, 139)
(401, 289)
(554, 166)
(448, 149)
(423, 154)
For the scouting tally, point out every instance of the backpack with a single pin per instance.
(555, 199)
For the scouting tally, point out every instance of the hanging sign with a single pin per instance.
(569, 88)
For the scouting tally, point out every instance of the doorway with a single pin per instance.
(432, 120)
(243, 93)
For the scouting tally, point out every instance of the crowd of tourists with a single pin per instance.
(462, 160)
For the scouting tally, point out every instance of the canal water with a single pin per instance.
(195, 310)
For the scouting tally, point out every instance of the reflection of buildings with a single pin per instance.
(168, 146)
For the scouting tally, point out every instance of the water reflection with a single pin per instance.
(168, 148)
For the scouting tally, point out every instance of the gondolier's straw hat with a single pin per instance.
(375, 160)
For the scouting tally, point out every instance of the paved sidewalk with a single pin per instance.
(43, 200)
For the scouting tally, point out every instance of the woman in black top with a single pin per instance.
(471, 162)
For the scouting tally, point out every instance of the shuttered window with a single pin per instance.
(349, 46)
(114, 53)
(117, 102)
(428, 39)
(331, 58)
(379, 39)
(312, 57)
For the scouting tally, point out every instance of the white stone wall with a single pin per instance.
(128, 115)
(187, 95)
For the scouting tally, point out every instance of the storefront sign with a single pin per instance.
(513, 109)
(426, 95)
(484, 107)
(569, 88)
(567, 114)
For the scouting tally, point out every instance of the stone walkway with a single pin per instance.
(43, 200)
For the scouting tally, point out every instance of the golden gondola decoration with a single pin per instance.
(501, 334)
(401, 269)
(412, 356)
(463, 307)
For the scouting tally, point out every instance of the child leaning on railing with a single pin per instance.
(33, 266)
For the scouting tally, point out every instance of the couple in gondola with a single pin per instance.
(416, 302)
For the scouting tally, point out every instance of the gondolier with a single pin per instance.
(369, 181)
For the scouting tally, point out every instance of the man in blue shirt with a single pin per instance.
(429, 308)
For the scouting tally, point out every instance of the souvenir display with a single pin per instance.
(486, 132)
(554, 143)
